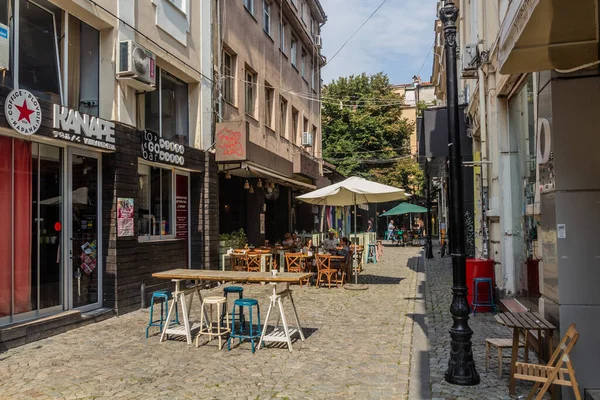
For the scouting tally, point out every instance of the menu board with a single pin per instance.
(181, 207)
(124, 216)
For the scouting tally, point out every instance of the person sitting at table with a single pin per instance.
(287, 240)
(345, 248)
(296, 240)
(308, 247)
(331, 243)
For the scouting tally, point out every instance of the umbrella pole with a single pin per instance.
(354, 260)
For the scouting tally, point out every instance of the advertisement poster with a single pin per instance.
(262, 223)
(181, 207)
(125, 216)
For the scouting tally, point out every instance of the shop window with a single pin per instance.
(155, 202)
(166, 108)
(39, 69)
(84, 67)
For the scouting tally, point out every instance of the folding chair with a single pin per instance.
(553, 372)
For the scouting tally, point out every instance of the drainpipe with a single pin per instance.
(483, 128)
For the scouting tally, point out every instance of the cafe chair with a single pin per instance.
(553, 372)
(294, 262)
(252, 262)
(324, 269)
(212, 327)
(251, 333)
(499, 344)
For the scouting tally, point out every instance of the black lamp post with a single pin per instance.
(428, 247)
(461, 366)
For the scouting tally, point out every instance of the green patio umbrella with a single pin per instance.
(404, 208)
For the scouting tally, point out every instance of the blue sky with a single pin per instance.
(396, 40)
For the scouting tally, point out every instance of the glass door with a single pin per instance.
(85, 227)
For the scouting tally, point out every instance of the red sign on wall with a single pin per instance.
(181, 207)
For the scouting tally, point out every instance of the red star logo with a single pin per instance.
(24, 111)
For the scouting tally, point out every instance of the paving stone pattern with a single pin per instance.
(358, 347)
(439, 321)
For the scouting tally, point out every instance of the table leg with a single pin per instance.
(285, 325)
(295, 313)
(549, 345)
(170, 312)
(513, 361)
(271, 303)
(186, 318)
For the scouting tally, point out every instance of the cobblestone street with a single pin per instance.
(439, 321)
(358, 346)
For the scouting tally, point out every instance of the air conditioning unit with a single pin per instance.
(470, 61)
(318, 41)
(136, 66)
(307, 139)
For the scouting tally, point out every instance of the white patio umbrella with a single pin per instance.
(354, 191)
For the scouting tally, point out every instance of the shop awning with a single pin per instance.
(265, 173)
(539, 35)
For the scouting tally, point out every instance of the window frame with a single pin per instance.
(173, 235)
(294, 52)
(229, 79)
(159, 84)
(303, 56)
(267, 17)
(282, 26)
(302, 11)
(283, 115)
(295, 124)
(16, 15)
(269, 105)
(250, 84)
(249, 6)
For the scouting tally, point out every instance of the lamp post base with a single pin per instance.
(461, 366)
(355, 286)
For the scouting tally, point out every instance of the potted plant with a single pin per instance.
(238, 239)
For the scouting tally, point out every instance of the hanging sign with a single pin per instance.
(157, 149)
(74, 127)
(4, 47)
(23, 112)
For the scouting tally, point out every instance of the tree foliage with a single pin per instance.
(364, 133)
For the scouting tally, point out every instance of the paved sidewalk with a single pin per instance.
(439, 321)
(357, 347)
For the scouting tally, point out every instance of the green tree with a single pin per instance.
(364, 133)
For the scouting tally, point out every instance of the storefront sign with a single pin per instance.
(125, 216)
(83, 128)
(181, 207)
(23, 112)
(232, 141)
(157, 149)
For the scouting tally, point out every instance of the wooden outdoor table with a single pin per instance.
(522, 323)
(278, 335)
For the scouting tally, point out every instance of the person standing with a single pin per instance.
(391, 228)
(370, 225)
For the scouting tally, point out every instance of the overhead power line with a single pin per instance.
(355, 32)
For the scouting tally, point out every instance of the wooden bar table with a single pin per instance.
(523, 322)
(196, 275)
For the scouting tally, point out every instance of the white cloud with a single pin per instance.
(395, 40)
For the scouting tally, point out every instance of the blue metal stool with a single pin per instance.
(240, 291)
(240, 334)
(372, 253)
(163, 297)
(476, 302)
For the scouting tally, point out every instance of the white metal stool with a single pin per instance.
(207, 327)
